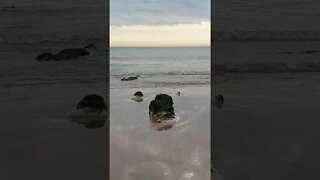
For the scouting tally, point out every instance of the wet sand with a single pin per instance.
(36, 141)
(268, 128)
(138, 151)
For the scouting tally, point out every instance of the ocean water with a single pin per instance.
(53, 21)
(160, 66)
(271, 20)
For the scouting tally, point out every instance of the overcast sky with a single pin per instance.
(160, 22)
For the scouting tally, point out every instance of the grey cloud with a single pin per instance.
(158, 12)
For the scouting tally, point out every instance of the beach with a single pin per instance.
(268, 126)
(138, 150)
(37, 141)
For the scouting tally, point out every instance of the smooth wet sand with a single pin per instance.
(138, 152)
(269, 126)
(36, 142)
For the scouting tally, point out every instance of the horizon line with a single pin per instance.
(156, 46)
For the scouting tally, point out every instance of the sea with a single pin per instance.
(159, 66)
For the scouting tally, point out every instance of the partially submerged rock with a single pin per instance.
(70, 54)
(138, 96)
(65, 54)
(162, 108)
(218, 101)
(130, 78)
(91, 112)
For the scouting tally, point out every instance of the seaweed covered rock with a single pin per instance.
(45, 57)
(65, 54)
(162, 107)
(130, 78)
(70, 54)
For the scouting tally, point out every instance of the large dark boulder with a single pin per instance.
(91, 112)
(162, 107)
(65, 54)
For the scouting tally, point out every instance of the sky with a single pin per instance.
(158, 23)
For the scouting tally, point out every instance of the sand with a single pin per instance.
(268, 128)
(138, 151)
(36, 141)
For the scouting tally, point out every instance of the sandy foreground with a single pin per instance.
(269, 127)
(38, 143)
(138, 151)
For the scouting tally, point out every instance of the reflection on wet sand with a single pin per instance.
(161, 144)
(158, 124)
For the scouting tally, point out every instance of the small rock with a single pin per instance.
(310, 51)
(138, 96)
(45, 56)
(65, 54)
(70, 54)
(218, 101)
(130, 78)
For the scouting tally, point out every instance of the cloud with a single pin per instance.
(158, 12)
(161, 35)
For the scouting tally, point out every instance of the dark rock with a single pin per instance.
(63, 55)
(45, 56)
(138, 93)
(93, 101)
(309, 51)
(302, 52)
(218, 101)
(130, 78)
(162, 107)
(138, 96)
(70, 54)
